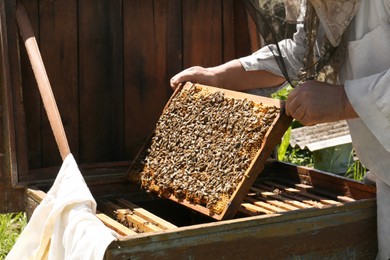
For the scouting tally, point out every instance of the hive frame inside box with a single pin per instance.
(271, 139)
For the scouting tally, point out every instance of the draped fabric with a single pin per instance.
(64, 225)
(335, 16)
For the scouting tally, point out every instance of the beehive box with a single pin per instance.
(289, 212)
(208, 147)
(111, 89)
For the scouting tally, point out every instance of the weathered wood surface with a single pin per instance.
(34, 196)
(109, 64)
(114, 225)
(31, 97)
(306, 234)
(100, 84)
(161, 223)
(10, 164)
(316, 223)
(344, 232)
(152, 53)
(324, 183)
(279, 228)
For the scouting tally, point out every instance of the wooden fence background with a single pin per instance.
(109, 63)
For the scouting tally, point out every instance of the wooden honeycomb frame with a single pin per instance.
(228, 204)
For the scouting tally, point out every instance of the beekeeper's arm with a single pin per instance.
(230, 75)
(259, 70)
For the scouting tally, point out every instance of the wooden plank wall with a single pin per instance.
(109, 63)
(11, 138)
(12, 200)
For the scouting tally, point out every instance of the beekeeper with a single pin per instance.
(361, 93)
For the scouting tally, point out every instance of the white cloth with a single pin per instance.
(367, 84)
(366, 77)
(64, 226)
(383, 210)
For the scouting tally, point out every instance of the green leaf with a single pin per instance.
(284, 144)
(283, 93)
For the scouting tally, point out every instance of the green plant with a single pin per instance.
(298, 156)
(283, 93)
(356, 169)
(284, 145)
(11, 225)
(285, 151)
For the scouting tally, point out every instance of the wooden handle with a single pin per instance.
(45, 89)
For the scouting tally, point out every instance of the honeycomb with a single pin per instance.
(204, 143)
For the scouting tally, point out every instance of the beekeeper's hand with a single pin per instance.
(197, 74)
(316, 102)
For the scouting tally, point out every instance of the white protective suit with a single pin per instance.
(366, 77)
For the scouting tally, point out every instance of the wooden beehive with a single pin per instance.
(288, 212)
(109, 63)
(208, 147)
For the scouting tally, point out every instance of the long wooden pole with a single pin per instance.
(42, 79)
